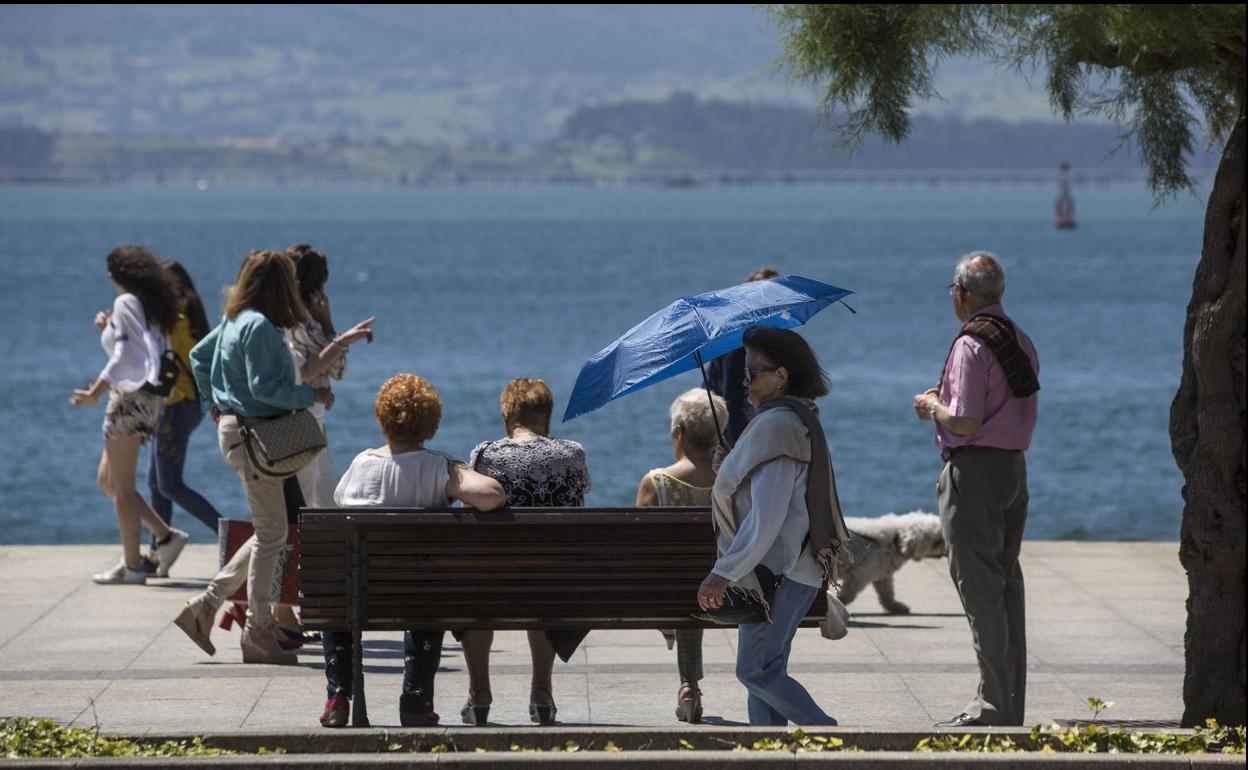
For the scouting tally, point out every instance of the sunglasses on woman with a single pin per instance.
(752, 372)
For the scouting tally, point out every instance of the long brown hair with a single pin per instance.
(137, 270)
(311, 268)
(266, 283)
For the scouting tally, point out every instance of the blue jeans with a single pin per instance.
(775, 698)
(164, 474)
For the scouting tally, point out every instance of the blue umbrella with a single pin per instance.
(692, 330)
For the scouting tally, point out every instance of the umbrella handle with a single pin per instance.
(706, 383)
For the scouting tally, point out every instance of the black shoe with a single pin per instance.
(961, 720)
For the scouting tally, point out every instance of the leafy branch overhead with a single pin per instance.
(1158, 71)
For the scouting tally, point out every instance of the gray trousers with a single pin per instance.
(983, 508)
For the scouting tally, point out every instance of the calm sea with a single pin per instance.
(474, 286)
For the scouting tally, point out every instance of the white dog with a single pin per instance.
(881, 546)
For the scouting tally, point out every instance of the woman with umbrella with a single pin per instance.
(777, 519)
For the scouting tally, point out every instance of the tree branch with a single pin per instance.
(1143, 64)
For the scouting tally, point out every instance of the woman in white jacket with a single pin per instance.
(134, 337)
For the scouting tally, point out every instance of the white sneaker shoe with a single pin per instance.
(120, 574)
(168, 553)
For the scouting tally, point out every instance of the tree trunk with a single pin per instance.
(1207, 434)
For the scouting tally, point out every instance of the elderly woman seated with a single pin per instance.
(693, 430)
(537, 471)
(404, 473)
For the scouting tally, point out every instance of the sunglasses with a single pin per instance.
(751, 373)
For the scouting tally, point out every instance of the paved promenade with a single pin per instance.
(1104, 620)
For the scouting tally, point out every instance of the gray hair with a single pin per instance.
(691, 412)
(980, 273)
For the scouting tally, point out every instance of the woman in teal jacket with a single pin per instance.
(244, 370)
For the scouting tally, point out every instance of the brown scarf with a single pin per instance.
(999, 335)
(828, 534)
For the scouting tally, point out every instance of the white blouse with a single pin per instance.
(134, 348)
(411, 479)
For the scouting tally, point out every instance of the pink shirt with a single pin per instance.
(973, 385)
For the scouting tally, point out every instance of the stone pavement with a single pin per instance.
(1104, 620)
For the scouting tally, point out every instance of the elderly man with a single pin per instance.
(985, 412)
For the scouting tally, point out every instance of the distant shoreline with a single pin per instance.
(674, 179)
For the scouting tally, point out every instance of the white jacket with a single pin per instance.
(133, 347)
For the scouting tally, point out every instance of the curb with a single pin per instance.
(651, 760)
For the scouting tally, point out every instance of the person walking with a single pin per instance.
(179, 419)
(779, 530)
(134, 335)
(244, 371)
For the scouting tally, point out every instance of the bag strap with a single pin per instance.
(190, 375)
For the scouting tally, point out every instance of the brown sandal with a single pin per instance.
(689, 704)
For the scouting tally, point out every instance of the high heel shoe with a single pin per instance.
(542, 713)
(233, 614)
(474, 712)
(669, 636)
(689, 704)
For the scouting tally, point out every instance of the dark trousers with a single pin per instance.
(689, 655)
(983, 509)
(422, 652)
(164, 473)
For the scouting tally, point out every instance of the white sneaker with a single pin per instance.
(168, 553)
(119, 574)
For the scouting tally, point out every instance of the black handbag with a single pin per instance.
(739, 606)
(170, 367)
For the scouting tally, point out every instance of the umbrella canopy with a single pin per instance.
(692, 330)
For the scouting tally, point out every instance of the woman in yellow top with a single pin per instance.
(180, 417)
(687, 482)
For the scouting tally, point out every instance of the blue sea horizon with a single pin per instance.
(474, 286)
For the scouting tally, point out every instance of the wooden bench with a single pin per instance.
(393, 569)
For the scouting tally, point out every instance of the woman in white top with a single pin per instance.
(403, 473)
(134, 337)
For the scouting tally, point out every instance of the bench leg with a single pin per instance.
(359, 706)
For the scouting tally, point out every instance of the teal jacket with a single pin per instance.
(244, 366)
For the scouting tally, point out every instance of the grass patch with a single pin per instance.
(39, 738)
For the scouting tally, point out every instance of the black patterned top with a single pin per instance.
(537, 473)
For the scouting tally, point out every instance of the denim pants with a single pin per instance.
(775, 698)
(422, 653)
(164, 473)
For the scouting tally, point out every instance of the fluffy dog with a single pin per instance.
(881, 546)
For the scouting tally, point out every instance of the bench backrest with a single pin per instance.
(522, 568)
